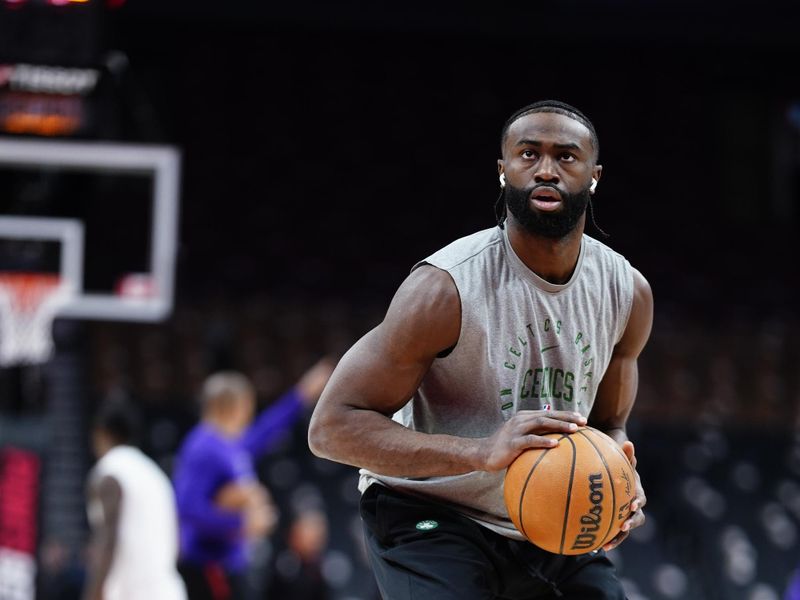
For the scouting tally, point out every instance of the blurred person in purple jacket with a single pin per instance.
(221, 502)
(793, 589)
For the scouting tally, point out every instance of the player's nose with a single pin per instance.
(546, 170)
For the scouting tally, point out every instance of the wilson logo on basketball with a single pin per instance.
(590, 522)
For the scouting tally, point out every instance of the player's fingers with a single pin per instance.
(618, 539)
(524, 442)
(636, 519)
(562, 415)
(545, 424)
(630, 451)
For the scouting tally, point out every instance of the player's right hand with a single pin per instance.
(525, 430)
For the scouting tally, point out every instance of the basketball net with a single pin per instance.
(28, 304)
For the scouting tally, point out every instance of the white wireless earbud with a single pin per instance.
(502, 180)
(594, 185)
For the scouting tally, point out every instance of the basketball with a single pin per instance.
(574, 497)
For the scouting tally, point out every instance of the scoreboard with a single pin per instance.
(46, 101)
(52, 66)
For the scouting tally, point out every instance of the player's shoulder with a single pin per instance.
(596, 246)
(603, 253)
(465, 248)
(124, 457)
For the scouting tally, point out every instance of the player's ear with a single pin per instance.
(597, 171)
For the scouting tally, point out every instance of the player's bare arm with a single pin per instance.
(104, 539)
(617, 392)
(352, 422)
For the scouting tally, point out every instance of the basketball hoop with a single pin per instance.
(28, 304)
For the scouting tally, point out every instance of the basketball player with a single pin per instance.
(518, 330)
(221, 502)
(131, 507)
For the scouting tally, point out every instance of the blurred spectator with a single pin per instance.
(131, 508)
(297, 573)
(221, 503)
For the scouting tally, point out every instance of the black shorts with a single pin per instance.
(422, 550)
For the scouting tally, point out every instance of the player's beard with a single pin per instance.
(552, 225)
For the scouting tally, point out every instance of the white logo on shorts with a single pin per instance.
(427, 525)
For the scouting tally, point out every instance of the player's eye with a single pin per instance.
(528, 154)
(567, 157)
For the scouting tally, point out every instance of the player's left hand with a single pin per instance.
(636, 518)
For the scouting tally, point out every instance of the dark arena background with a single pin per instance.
(307, 154)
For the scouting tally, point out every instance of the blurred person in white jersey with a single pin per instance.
(132, 514)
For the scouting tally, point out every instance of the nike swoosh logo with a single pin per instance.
(546, 348)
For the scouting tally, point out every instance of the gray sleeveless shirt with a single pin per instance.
(524, 344)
